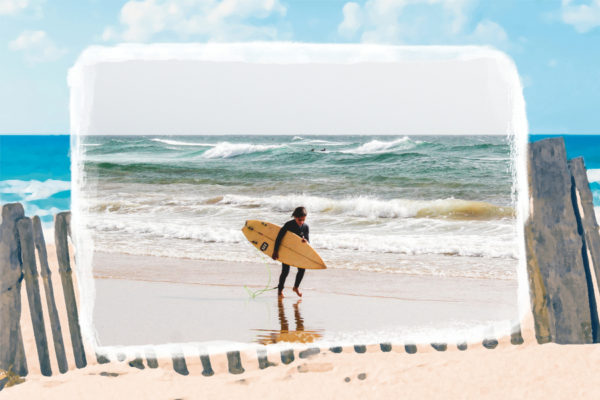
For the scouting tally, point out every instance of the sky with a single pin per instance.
(555, 44)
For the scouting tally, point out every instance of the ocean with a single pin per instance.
(418, 205)
(36, 171)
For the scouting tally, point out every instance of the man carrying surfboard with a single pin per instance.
(298, 227)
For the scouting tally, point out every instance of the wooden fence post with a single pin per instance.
(12, 353)
(62, 252)
(59, 346)
(585, 202)
(557, 277)
(30, 273)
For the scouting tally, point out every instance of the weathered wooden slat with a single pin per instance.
(206, 366)
(360, 348)
(557, 278)
(263, 361)
(385, 347)
(309, 352)
(179, 364)
(20, 365)
(64, 264)
(580, 196)
(30, 273)
(59, 346)
(410, 348)
(151, 357)
(234, 362)
(585, 202)
(12, 355)
(287, 356)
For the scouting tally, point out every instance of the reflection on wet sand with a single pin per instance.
(300, 335)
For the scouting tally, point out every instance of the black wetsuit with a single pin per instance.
(301, 231)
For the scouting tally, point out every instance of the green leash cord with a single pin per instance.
(254, 294)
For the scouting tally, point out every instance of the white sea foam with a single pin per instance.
(33, 189)
(227, 150)
(347, 250)
(324, 142)
(297, 138)
(373, 208)
(593, 175)
(597, 211)
(377, 146)
(179, 143)
(466, 245)
(166, 230)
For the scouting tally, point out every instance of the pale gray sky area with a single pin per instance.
(141, 94)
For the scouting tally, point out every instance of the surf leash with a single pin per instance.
(255, 293)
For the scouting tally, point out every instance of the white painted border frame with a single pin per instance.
(81, 78)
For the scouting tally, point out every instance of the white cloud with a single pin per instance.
(583, 17)
(488, 31)
(37, 46)
(419, 22)
(14, 7)
(352, 20)
(211, 19)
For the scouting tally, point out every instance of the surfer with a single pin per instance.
(298, 227)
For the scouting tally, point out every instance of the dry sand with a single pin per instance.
(508, 371)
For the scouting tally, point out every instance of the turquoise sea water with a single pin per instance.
(36, 171)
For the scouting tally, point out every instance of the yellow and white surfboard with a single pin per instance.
(292, 250)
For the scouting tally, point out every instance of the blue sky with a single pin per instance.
(555, 44)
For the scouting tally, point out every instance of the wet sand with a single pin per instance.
(178, 300)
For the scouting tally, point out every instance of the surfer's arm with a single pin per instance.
(278, 240)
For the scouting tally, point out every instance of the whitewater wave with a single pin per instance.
(33, 189)
(372, 208)
(121, 230)
(415, 245)
(172, 230)
(320, 142)
(228, 150)
(593, 175)
(179, 143)
(377, 146)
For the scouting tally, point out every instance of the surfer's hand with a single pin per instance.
(303, 240)
(275, 256)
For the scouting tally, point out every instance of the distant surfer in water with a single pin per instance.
(298, 227)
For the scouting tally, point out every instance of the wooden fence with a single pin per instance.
(563, 247)
(20, 237)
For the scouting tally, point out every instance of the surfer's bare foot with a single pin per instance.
(297, 292)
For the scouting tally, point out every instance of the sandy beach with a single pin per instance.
(537, 372)
(178, 300)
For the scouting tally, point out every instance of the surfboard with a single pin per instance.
(292, 250)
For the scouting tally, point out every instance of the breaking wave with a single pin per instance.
(377, 146)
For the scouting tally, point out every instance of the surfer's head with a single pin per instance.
(299, 215)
